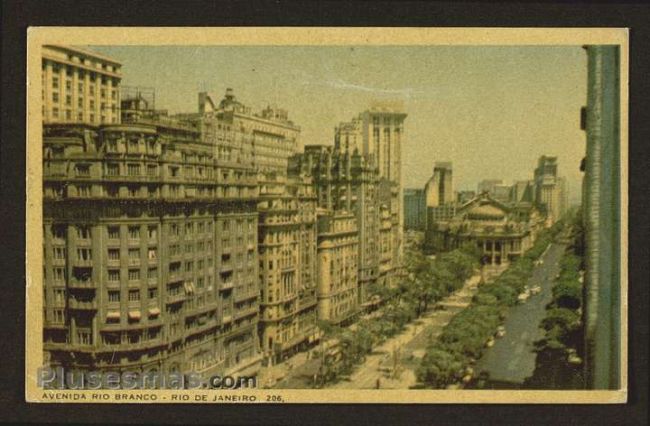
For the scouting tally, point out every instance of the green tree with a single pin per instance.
(439, 368)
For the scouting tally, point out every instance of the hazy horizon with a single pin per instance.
(490, 110)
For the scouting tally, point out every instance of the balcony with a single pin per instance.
(77, 284)
(241, 296)
(228, 285)
(246, 312)
(82, 305)
(175, 298)
(83, 263)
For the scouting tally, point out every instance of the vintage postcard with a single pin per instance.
(326, 215)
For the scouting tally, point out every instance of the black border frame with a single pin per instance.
(18, 15)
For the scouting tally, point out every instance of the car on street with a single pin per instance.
(501, 331)
(523, 297)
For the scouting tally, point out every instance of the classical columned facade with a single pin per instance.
(501, 232)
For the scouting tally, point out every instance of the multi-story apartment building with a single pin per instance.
(79, 86)
(150, 249)
(338, 301)
(288, 269)
(264, 140)
(345, 181)
(377, 134)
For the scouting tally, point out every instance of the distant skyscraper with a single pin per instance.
(439, 193)
(439, 190)
(377, 134)
(522, 191)
(549, 195)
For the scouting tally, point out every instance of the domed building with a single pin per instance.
(503, 232)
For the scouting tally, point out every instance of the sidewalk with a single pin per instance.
(411, 342)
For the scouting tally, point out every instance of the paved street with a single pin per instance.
(411, 342)
(511, 358)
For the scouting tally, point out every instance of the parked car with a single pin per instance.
(523, 297)
(490, 342)
(536, 290)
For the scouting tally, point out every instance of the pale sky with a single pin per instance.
(491, 111)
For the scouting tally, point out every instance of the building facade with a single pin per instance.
(338, 300)
(79, 86)
(415, 209)
(501, 233)
(550, 190)
(439, 194)
(378, 135)
(264, 140)
(288, 266)
(151, 263)
(601, 203)
(349, 182)
(439, 189)
(523, 191)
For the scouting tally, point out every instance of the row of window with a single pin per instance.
(114, 275)
(80, 116)
(81, 87)
(114, 296)
(80, 102)
(92, 75)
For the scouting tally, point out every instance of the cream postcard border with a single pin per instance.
(260, 36)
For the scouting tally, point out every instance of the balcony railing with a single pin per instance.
(88, 284)
(175, 298)
(82, 305)
(228, 285)
(84, 263)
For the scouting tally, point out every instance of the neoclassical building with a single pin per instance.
(150, 250)
(338, 242)
(288, 270)
(502, 232)
(349, 182)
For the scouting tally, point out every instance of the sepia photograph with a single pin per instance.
(326, 215)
